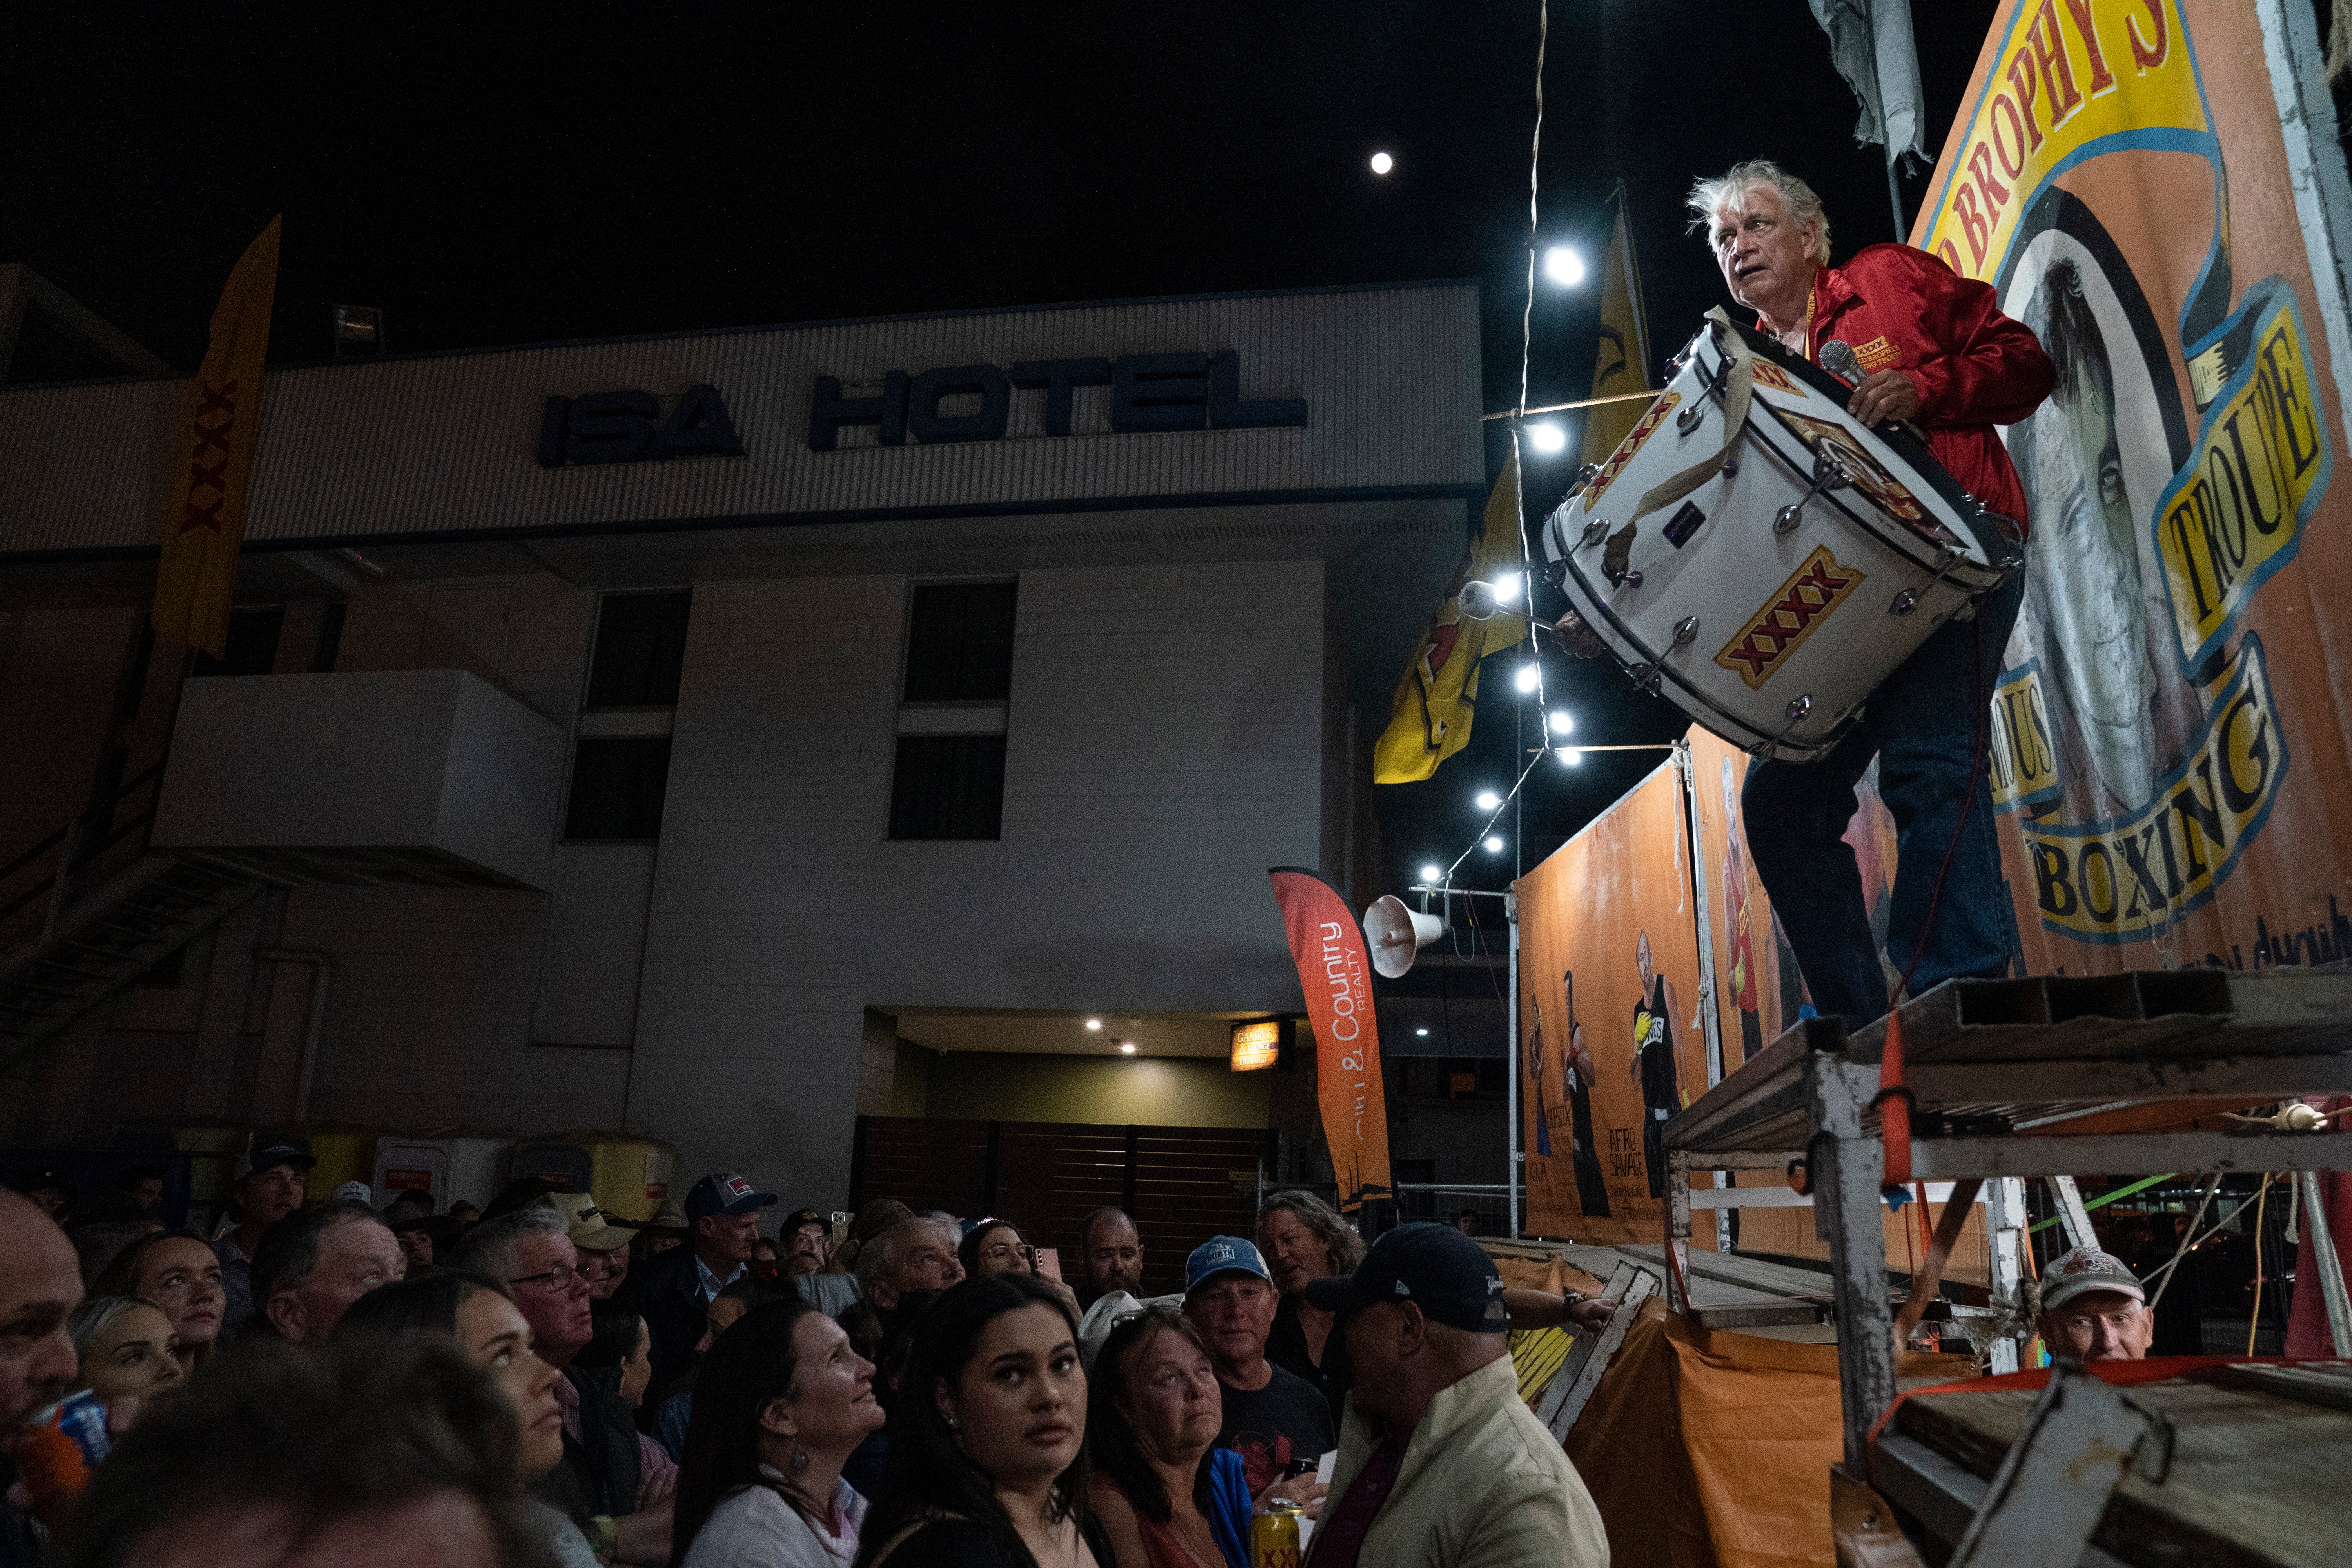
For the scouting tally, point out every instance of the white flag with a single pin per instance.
(1870, 44)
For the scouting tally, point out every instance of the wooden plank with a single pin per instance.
(2130, 1155)
(2256, 1481)
(1588, 1363)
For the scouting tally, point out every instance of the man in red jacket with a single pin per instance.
(1934, 349)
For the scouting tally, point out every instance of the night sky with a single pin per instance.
(497, 174)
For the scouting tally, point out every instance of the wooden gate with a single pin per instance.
(1182, 1184)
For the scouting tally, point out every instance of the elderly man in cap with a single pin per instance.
(603, 1246)
(1273, 1419)
(1442, 1464)
(668, 1228)
(678, 1288)
(2095, 1309)
(266, 1186)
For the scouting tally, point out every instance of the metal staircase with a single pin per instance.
(108, 910)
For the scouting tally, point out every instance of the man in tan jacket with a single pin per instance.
(1441, 1464)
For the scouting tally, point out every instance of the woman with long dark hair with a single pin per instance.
(781, 1403)
(476, 1313)
(1167, 1495)
(988, 1466)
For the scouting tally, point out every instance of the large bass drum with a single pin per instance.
(1788, 558)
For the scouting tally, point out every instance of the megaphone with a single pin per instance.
(1397, 934)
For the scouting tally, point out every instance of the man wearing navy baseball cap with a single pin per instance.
(722, 1214)
(1273, 1419)
(1440, 1463)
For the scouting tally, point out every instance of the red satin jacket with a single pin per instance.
(1900, 309)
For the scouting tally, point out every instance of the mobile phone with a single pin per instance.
(1303, 1467)
(1048, 1261)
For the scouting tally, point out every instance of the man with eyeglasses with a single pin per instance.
(615, 1483)
(679, 1286)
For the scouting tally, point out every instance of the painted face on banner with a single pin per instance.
(2095, 637)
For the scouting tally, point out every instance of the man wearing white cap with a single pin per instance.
(2095, 1309)
(603, 1246)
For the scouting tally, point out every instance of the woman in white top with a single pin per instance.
(780, 1404)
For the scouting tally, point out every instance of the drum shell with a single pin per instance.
(1704, 573)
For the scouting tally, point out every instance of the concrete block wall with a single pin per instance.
(428, 1013)
(1164, 747)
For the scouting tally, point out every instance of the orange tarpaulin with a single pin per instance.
(1710, 1449)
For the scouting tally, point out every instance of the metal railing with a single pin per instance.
(76, 844)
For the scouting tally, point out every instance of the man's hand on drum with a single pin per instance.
(1883, 396)
(1577, 637)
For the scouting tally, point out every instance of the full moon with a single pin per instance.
(1382, 163)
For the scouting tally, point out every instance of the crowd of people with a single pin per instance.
(538, 1384)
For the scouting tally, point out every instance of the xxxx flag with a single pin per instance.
(204, 515)
(1623, 362)
(1429, 719)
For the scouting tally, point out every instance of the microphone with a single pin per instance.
(1838, 359)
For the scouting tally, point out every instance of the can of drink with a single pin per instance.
(1274, 1535)
(82, 1417)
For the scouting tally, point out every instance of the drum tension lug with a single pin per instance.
(1904, 603)
(1687, 420)
(1594, 532)
(1798, 708)
(1686, 629)
(1645, 677)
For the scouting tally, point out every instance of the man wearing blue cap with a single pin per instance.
(723, 1212)
(1273, 1419)
(1442, 1464)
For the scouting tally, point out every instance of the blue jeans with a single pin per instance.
(1923, 724)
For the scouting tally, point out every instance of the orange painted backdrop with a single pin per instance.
(1583, 914)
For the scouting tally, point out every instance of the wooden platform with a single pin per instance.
(2256, 1479)
(2020, 1051)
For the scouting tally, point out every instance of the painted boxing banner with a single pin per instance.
(1611, 1040)
(2150, 186)
(1327, 944)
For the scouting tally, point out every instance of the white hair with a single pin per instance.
(1708, 197)
(490, 1247)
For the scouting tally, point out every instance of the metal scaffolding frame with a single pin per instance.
(1995, 1068)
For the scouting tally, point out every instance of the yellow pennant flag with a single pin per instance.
(203, 516)
(1623, 363)
(1429, 720)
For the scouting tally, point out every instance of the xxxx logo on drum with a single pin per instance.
(1631, 444)
(1797, 607)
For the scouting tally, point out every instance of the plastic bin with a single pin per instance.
(629, 1174)
(449, 1163)
(345, 1152)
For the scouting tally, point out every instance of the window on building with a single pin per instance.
(252, 645)
(948, 786)
(947, 780)
(960, 642)
(616, 789)
(640, 649)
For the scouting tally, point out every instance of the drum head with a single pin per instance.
(1888, 470)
